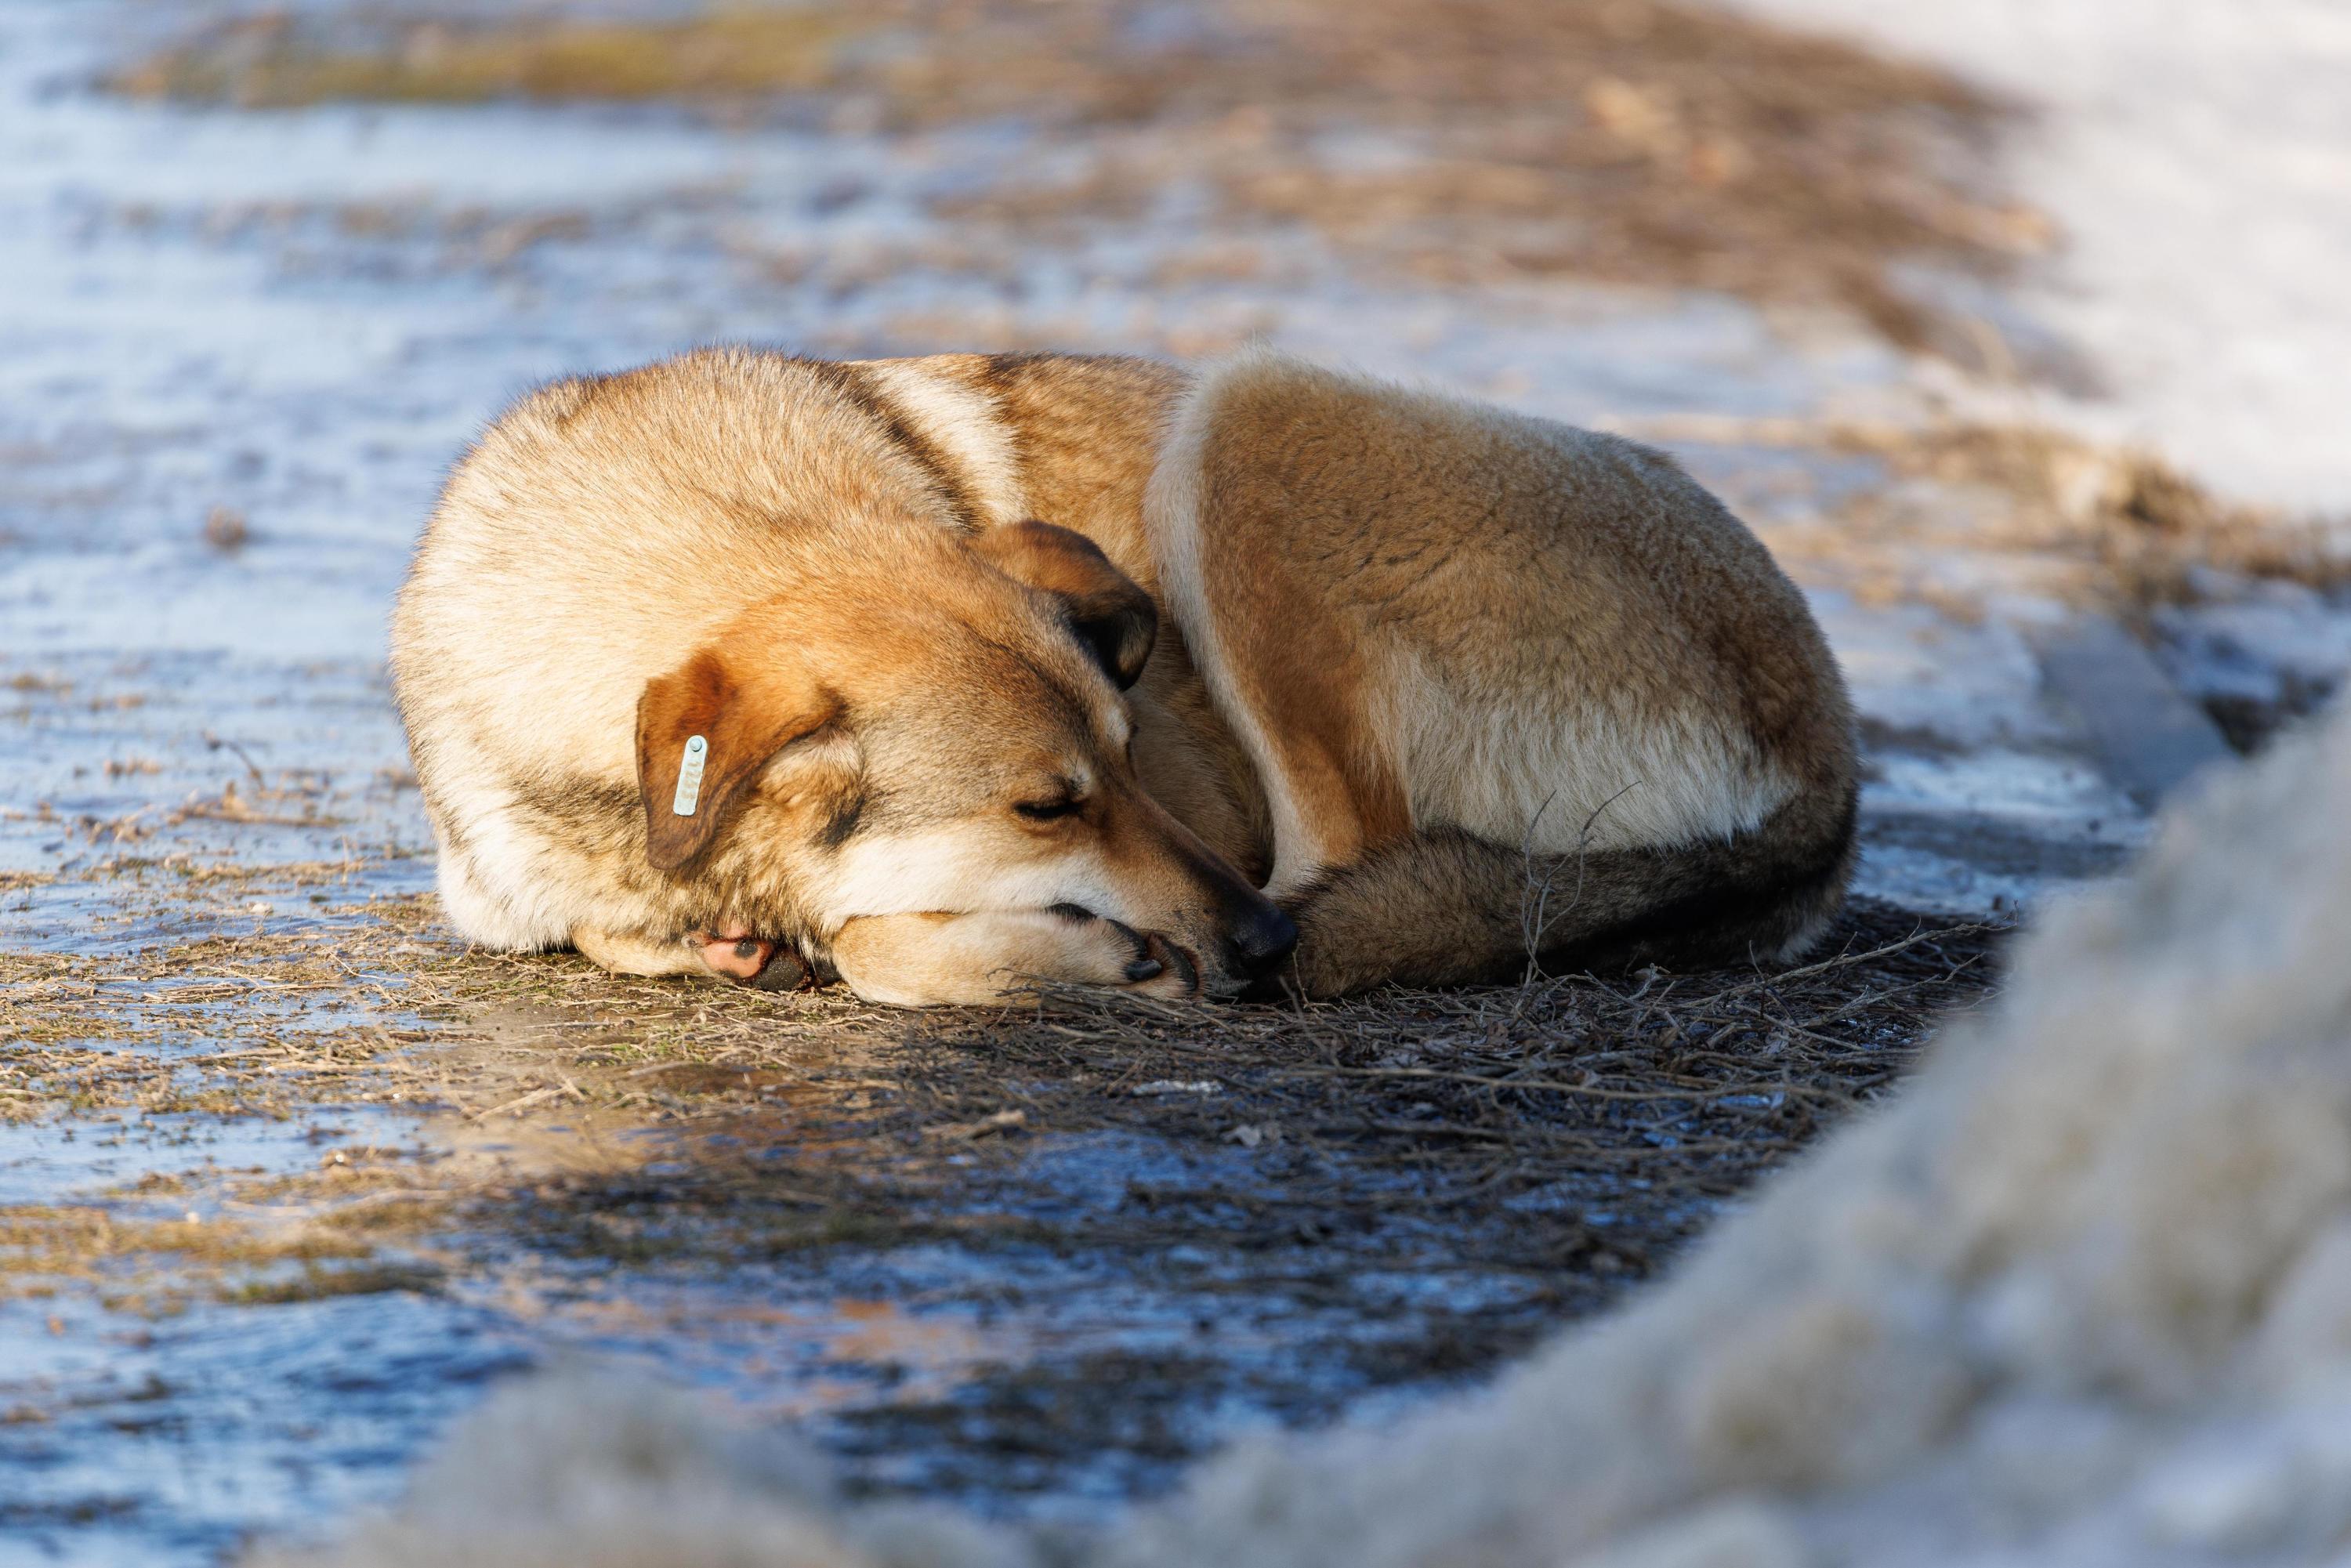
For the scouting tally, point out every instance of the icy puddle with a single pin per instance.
(286, 1178)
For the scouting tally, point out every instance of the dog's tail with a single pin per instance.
(1445, 908)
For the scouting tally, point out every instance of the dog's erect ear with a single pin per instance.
(1109, 612)
(740, 717)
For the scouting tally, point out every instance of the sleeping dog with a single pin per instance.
(955, 674)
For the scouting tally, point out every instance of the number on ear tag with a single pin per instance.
(689, 776)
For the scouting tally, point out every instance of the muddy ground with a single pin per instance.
(287, 1178)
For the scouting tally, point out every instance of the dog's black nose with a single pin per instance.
(1260, 943)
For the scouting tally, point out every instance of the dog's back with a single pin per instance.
(1514, 690)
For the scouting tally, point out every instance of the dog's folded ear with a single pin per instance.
(740, 718)
(1109, 613)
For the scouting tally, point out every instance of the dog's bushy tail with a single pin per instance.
(1446, 908)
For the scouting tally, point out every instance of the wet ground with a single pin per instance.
(286, 1178)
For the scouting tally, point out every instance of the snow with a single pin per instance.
(2198, 157)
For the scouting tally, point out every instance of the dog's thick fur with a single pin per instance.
(1464, 689)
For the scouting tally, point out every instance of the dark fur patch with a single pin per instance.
(1004, 370)
(945, 480)
(585, 393)
(581, 813)
(842, 822)
(1751, 895)
(1445, 908)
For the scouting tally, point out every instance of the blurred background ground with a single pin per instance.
(2008, 327)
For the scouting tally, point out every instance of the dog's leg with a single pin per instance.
(626, 954)
(921, 960)
(1291, 675)
(733, 954)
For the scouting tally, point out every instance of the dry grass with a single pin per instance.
(2151, 529)
(1673, 1089)
(1631, 142)
(570, 1142)
(41, 1248)
(1471, 141)
(829, 1121)
(266, 62)
(2111, 528)
(1567, 1137)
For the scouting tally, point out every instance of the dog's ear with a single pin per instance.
(1109, 613)
(703, 731)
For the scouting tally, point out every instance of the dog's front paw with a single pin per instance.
(984, 956)
(1089, 949)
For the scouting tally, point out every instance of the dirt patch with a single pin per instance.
(1312, 1202)
(1467, 141)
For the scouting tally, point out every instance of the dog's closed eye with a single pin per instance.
(1046, 810)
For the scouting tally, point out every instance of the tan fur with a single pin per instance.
(1089, 429)
(915, 959)
(635, 954)
(1408, 651)
(1512, 690)
(805, 564)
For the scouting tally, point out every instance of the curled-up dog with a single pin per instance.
(951, 674)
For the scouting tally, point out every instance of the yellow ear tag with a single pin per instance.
(689, 776)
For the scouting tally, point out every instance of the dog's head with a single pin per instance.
(945, 734)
